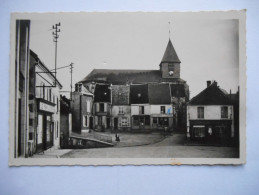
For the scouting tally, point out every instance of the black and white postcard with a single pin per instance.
(128, 88)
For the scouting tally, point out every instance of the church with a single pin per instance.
(140, 100)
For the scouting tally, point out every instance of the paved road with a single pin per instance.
(171, 147)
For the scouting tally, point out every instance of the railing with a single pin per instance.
(93, 136)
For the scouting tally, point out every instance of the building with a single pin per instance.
(99, 82)
(140, 107)
(65, 121)
(161, 107)
(210, 116)
(44, 106)
(102, 107)
(23, 131)
(81, 108)
(121, 109)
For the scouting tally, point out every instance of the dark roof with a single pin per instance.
(170, 54)
(212, 95)
(43, 66)
(117, 76)
(177, 90)
(102, 93)
(139, 94)
(120, 94)
(159, 94)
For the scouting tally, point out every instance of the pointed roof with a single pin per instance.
(170, 54)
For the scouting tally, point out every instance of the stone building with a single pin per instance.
(168, 73)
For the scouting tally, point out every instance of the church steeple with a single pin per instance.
(170, 64)
(170, 54)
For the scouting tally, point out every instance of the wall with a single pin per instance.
(135, 109)
(165, 72)
(210, 112)
(156, 109)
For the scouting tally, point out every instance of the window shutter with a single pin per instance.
(105, 107)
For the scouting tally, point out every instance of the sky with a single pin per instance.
(205, 42)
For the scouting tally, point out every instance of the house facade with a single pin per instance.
(22, 137)
(102, 107)
(210, 116)
(140, 107)
(81, 108)
(45, 96)
(120, 108)
(161, 107)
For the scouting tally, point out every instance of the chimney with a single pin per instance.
(208, 83)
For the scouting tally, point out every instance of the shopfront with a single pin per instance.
(45, 125)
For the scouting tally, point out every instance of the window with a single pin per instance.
(88, 106)
(57, 104)
(50, 95)
(224, 112)
(155, 120)
(135, 120)
(171, 69)
(85, 120)
(120, 110)
(101, 107)
(162, 109)
(199, 131)
(200, 112)
(124, 121)
(43, 91)
(141, 110)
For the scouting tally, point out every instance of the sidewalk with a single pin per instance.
(52, 153)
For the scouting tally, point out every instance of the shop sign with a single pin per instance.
(45, 107)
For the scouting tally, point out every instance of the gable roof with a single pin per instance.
(120, 94)
(102, 93)
(212, 95)
(170, 54)
(159, 94)
(119, 76)
(139, 94)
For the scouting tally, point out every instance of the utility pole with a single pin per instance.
(55, 32)
(71, 84)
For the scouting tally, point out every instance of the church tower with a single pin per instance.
(170, 64)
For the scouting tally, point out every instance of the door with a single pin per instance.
(115, 123)
(108, 122)
(91, 123)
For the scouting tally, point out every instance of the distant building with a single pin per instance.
(101, 81)
(65, 121)
(81, 108)
(210, 116)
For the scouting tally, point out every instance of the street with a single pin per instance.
(171, 146)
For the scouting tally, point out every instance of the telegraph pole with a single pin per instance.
(71, 84)
(55, 32)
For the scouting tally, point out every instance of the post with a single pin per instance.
(56, 36)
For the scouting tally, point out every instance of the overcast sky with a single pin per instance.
(206, 43)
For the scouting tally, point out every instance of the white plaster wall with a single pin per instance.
(156, 109)
(135, 109)
(212, 112)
